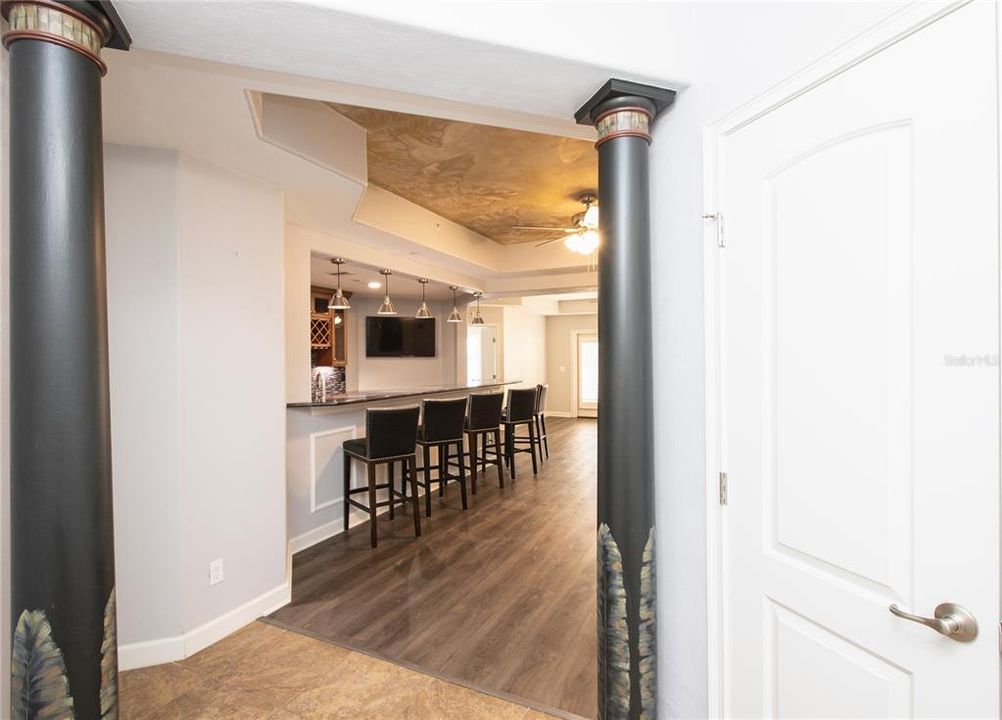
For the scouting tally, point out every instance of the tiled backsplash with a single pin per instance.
(327, 382)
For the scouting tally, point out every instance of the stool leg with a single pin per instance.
(509, 447)
(546, 440)
(462, 473)
(532, 448)
(427, 481)
(371, 467)
(405, 472)
(392, 481)
(473, 461)
(497, 458)
(442, 451)
(539, 436)
(347, 488)
(412, 471)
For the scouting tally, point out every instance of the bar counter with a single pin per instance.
(367, 396)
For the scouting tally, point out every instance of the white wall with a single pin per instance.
(561, 337)
(197, 381)
(524, 345)
(232, 412)
(142, 255)
(365, 373)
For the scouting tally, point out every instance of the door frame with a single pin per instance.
(897, 26)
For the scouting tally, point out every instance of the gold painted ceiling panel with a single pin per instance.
(485, 178)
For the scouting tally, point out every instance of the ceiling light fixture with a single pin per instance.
(375, 285)
(584, 242)
(423, 311)
(454, 316)
(478, 319)
(338, 300)
(387, 307)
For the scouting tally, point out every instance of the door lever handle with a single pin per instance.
(950, 619)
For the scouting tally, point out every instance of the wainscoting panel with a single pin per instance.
(326, 463)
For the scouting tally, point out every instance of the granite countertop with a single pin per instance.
(356, 398)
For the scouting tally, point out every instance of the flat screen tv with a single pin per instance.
(399, 337)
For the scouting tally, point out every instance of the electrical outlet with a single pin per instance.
(215, 572)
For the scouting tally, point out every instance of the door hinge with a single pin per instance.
(718, 219)
(723, 488)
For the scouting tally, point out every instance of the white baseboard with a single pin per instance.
(172, 649)
(314, 536)
(151, 652)
(557, 413)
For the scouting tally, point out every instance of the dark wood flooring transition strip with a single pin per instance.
(500, 598)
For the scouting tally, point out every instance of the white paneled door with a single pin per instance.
(860, 387)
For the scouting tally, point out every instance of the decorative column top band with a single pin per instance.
(629, 121)
(51, 22)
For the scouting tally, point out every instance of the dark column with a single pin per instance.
(62, 544)
(622, 113)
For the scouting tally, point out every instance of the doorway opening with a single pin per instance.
(586, 382)
(482, 353)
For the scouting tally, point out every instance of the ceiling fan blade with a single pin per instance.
(547, 242)
(541, 227)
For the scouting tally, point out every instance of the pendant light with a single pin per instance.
(338, 300)
(478, 319)
(387, 307)
(454, 316)
(423, 311)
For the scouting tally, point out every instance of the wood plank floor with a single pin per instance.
(500, 597)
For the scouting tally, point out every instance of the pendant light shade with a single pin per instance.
(338, 300)
(454, 316)
(423, 311)
(478, 319)
(387, 307)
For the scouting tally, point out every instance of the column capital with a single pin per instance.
(622, 108)
(84, 26)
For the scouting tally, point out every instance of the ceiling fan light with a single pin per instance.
(339, 301)
(588, 242)
(590, 219)
(573, 242)
(423, 311)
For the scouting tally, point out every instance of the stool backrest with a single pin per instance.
(541, 397)
(443, 419)
(390, 432)
(521, 404)
(485, 411)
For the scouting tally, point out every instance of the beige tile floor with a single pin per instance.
(265, 672)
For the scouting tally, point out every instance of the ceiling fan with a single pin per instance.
(582, 236)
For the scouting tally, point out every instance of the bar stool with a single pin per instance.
(540, 417)
(390, 437)
(442, 426)
(483, 420)
(520, 410)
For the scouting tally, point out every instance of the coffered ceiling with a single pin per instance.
(488, 179)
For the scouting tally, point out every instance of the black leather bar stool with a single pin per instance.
(520, 410)
(540, 417)
(390, 437)
(441, 428)
(483, 425)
